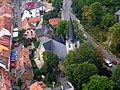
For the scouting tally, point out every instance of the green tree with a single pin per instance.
(116, 77)
(58, 6)
(37, 44)
(96, 7)
(83, 72)
(19, 82)
(88, 15)
(69, 69)
(85, 53)
(49, 15)
(63, 27)
(53, 3)
(50, 65)
(21, 36)
(108, 20)
(115, 39)
(99, 83)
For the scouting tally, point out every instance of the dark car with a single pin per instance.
(114, 62)
(63, 75)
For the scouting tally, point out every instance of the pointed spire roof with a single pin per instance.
(72, 35)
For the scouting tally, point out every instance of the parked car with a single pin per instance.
(63, 75)
(16, 44)
(108, 63)
(114, 62)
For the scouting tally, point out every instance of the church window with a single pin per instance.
(75, 44)
(69, 45)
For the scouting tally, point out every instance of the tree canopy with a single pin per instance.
(116, 77)
(85, 53)
(80, 73)
(50, 65)
(63, 27)
(99, 83)
(58, 6)
(19, 82)
(115, 31)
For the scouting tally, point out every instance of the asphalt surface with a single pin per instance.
(17, 13)
(66, 12)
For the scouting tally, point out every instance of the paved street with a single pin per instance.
(66, 12)
(17, 13)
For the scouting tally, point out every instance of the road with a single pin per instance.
(66, 12)
(17, 13)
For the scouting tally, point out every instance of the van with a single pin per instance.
(108, 63)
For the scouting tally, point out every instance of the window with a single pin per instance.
(75, 44)
(69, 45)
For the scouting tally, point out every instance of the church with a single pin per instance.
(58, 45)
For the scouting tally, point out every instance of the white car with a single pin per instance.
(108, 63)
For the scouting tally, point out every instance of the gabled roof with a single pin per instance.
(38, 86)
(24, 57)
(54, 46)
(6, 8)
(27, 21)
(6, 22)
(4, 32)
(3, 47)
(47, 45)
(117, 13)
(40, 4)
(4, 79)
(30, 4)
(5, 41)
(24, 68)
(60, 39)
(5, 54)
(34, 19)
(42, 30)
(53, 21)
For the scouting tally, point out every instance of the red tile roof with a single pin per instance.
(28, 21)
(5, 55)
(30, 4)
(6, 8)
(24, 23)
(6, 22)
(34, 19)
(5, 41)
(5, 81)
(38, 86)
(53, 21)
(24, 57)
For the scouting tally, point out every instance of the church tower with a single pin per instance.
(72, 41)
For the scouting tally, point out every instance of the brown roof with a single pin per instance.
(53, 21)
(30, 4)
(4, 80)
(5, 41)
(24, 68)
(38, 86)
(34, 19)
(6, 22)
(6, 8)
(27, 21)
(5, 55)
(24, 57)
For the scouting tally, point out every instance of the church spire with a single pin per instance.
(72, 35)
